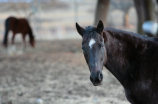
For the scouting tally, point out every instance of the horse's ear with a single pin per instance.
(100, 27)
(80, 29)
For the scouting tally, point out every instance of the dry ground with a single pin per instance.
(55, 72)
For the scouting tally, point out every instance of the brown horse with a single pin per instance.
(18, 26)
(130, 57)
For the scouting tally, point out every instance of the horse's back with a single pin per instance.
(17, 20)
(11, 19)
(18, 25)
(24, 22)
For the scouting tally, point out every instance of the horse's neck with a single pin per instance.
(120, 55)
(30, 34)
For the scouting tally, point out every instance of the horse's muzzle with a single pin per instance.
(96, 79)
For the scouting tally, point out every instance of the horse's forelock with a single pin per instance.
(90, 32)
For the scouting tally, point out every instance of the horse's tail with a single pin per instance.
(5, 40)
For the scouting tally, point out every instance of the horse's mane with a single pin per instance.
(117, 32)
(130, 36)
(154, 39)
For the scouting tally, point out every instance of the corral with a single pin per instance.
(56, 73)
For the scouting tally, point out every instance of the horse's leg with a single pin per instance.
(24, 42)
(13, 48)
(13, 38)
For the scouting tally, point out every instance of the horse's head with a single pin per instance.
(94, 50)
(32, 41)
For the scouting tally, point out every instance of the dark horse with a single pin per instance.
(130, 57)
(18, 26)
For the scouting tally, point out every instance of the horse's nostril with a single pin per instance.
(91, 78)
(100, 77)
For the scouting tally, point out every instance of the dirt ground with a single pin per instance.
(55, 72)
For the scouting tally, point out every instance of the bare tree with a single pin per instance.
(140, 15)
(123, 5)
(148, 8)
(126, 7)
(144, 9)
(101, 11)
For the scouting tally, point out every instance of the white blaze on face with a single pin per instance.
(91, 43)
